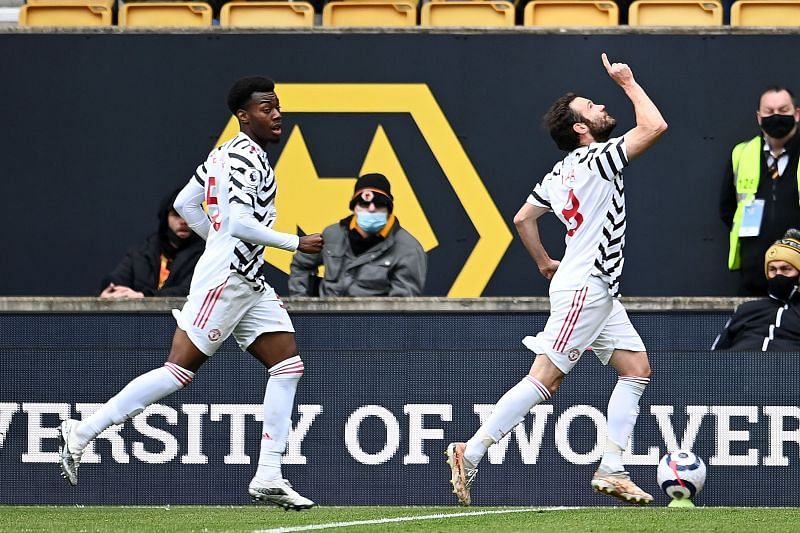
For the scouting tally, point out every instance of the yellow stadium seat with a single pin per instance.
(765, 13)
(267, 14)
(414, 2)
(675, 13)
(66, 14)
(164, 14)
(108, 3)
(380, 13)
(570, 13)
(468, 13)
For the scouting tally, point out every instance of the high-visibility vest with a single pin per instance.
(746, 159)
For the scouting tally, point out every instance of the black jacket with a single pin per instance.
(781, 212)
(750, 326)
(141, 266)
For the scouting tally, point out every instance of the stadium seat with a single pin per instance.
(468, 13)
(675, 13)
(570, 13)
(70, 13)
(108, 3)
(373, 13)
(164, 14)
(267, 14)
(765, 13)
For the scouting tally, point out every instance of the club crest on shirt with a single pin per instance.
(214, 335)
(574, 354)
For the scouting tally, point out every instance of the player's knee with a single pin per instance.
(638, 368)
(643, 370)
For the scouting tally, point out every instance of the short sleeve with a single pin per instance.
(609, 158)
(540, 196)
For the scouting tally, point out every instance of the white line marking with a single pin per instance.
(408, 519)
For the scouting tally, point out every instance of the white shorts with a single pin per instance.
(211, 314)
(588, 318)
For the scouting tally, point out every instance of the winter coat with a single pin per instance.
(756, 321)
(141, 266)
(395, 266)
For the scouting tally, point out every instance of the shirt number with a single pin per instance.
(212, 204)
(571, 214)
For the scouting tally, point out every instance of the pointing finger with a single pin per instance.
(605, 61)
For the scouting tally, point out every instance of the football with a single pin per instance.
(681, 474)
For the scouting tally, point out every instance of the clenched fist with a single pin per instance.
(311, 244)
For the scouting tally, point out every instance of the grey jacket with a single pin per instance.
(395, 266)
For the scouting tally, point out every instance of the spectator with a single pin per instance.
(366, 253)
(773, 323)
(762, 181)
(160, 266)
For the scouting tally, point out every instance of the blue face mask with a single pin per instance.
(371, 222)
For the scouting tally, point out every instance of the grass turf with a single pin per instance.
(256, 518)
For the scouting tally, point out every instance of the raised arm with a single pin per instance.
(526, 221)
(650, 125)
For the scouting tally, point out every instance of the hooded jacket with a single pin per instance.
(141, 266)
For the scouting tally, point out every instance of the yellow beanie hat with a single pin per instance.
(785, 249)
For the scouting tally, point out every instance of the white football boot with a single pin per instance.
(279, 492)
(68, 461)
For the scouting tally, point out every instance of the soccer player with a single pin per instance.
(228, 295)
(585, 192)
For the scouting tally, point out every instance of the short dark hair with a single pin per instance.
(243, 90)
(559, 120)
(776, 89)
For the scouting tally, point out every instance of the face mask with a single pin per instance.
(777, 126)
(371, 222)
(782, 287)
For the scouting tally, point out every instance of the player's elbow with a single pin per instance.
(657, 128)
(522, 218)
(179, 206)
(650, 130)
(236, 228)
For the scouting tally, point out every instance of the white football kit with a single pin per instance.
(229, 294)
(585, 191)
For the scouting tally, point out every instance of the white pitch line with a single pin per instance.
(333, 525)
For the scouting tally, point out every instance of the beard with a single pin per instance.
(601, 128)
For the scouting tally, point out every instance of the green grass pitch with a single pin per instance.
(397, 519)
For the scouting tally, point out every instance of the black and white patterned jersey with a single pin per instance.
(585, 191)
(236, 172)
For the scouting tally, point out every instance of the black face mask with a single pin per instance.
(777, 126)
(782, 287)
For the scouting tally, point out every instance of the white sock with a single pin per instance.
(623, 409)
(509, 411)
(278, 405)
(130, 401)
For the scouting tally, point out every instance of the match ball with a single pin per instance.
(681, 474)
